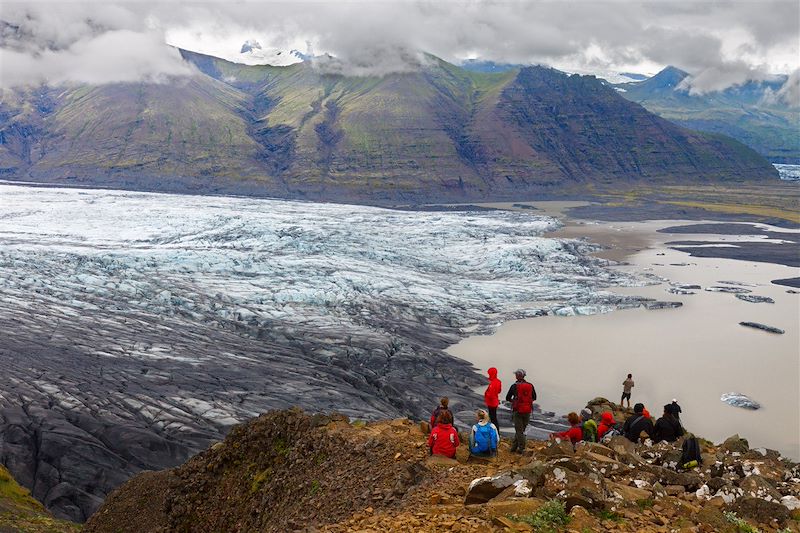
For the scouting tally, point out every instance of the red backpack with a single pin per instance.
(523, 403)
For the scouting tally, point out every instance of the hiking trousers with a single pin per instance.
(493, 417)
(521, 421)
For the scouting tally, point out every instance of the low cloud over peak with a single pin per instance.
(720, 43)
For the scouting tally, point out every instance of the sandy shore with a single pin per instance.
(695, 353)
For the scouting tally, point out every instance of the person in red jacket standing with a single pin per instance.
(492, 396)
(574, 433)
(443, 439)
(521, 395)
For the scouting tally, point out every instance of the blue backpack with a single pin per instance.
(485, 439)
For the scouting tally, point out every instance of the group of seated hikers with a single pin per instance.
(484, 435)
(583, 427)
(444, 440)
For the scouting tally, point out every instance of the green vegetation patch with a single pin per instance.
(549, 518)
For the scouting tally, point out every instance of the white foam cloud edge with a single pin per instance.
(720, 44)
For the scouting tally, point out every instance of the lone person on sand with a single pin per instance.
(627, 385)
(521, 395)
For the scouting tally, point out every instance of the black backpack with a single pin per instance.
(690, 450)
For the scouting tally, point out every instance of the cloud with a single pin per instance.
(719, 42)
(788, 94)
(112, 56)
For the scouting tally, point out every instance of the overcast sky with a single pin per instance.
(719, 42)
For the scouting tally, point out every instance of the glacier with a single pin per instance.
(138, 327)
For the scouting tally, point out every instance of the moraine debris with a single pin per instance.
(752, 298)
(731, 290)
(764, 327)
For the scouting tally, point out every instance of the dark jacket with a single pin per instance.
(675, 410)
(635, 425)
(522, 399)
(668, 429)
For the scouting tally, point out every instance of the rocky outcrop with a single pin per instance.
(287, 470)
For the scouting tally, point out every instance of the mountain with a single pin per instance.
(749, 113)
(438, 133)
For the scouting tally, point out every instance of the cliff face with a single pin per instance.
(288, 471)
(441, 133)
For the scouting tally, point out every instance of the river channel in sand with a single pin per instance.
(694, 353)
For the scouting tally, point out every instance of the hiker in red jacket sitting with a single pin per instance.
(521, 395)
(444, 403)
(492, 396)
(606, 423)
(574, 433)
(443, 439)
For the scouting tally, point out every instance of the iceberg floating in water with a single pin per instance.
(740, 400)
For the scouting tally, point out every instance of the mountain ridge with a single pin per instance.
(440, 133)
(750, 112)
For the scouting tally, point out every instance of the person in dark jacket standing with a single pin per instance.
(675, 410)
(492, 396)
(667, 427)
(637, 423)
(521, 395)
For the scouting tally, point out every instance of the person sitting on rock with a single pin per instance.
(667, 427)
(574, 433)
(444, 403)
(484, 436)
(443, 439)
(606, 424)
(589, 426)
(636, 424)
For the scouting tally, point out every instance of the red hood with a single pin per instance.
(492, 373)
(607, 418)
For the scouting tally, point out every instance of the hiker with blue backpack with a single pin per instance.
(484, 436)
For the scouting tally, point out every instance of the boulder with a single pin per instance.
(735, 444)
(628, 493)
(574, 489)
(791, 502)
(595, 448)
(483, 489)
(581, 520)
(675, 490)
(665, 476)
(758, 487)
(575, 464)
(760, 511)
(558, 449)
(440, 460)
(534, 472)
(716, 483)
(670, 458)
